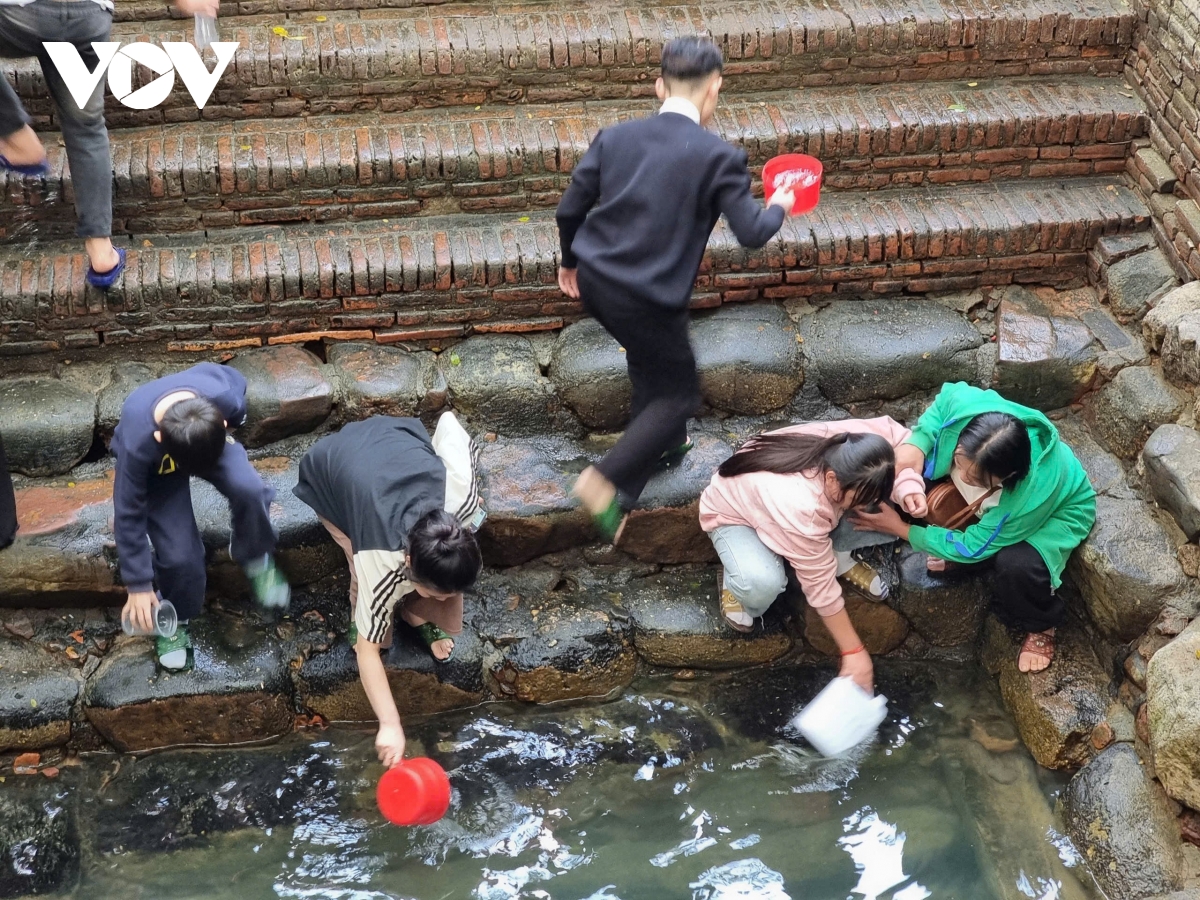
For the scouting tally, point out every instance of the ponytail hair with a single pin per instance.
(442, 554)
(862, 463)
(998, 445)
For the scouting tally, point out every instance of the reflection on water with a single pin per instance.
(679, 789)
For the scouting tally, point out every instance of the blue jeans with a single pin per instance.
(756, 575)
(79, 22)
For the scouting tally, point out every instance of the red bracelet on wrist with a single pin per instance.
(859, 649)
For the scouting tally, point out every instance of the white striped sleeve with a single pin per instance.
(380, 575)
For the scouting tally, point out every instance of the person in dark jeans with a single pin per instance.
(24, 27)
(8, 503)
(633, 226)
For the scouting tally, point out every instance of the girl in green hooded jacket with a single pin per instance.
(1042, 509)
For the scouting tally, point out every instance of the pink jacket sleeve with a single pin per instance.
(816, 568)
(909, 481)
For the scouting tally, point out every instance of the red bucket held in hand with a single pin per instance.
(416, 792)
(795, 171)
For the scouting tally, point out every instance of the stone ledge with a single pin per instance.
(473, 54)
(494, 269)
(262, 171)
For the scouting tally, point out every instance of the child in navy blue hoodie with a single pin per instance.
(171, 429)
(633, 225)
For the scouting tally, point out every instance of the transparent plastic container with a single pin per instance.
(206, 31)
(166, 621)
(841, 717)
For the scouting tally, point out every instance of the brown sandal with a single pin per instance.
(731, 606)
(1038, 644)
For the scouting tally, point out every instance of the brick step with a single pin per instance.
(393, 60)
(193, 176)
(280, 10)
(436, 278)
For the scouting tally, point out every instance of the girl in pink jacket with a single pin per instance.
(782, 497)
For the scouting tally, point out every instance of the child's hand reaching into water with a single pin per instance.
(858, 666)
(389, 744)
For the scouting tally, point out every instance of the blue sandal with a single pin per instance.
(29, 170)
(105, 280)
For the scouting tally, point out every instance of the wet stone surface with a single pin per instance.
(37, 693)
(127, 376)
(1134, 283)
(379, 380)
(1172, 457)
(286, 393)
(559, 636)
(880, 627)
(1124, 412)
(170, 802)
(495, 382)
(946, 610)
(748, 357)
(48, 425)
(39, 840)
(1045, 361)
(1126, 569)
(1055, 710)
(239, 690)
(589, 371)
(1168, 312)
(1119, 818)
(677, 622)
(883, 350)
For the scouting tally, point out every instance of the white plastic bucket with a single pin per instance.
(841, 717)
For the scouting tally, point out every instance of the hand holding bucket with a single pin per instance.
(798, 173)
(415, 792)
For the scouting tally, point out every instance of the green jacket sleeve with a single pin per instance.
(987, 537)
(930, 423)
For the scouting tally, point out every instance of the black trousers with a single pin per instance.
(666, 386)
(8, 503)
(1022, 596)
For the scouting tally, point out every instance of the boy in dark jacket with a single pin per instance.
(634, 224)
(171, 429)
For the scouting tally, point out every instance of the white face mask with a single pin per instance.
(972, 493)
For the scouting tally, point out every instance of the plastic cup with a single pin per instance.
(798, 172)
(416, 792)
(205, 31)
(166, 622)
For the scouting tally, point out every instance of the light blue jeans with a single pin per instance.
(756, 574)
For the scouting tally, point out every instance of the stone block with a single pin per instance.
(558, 639)
(1044, 361)
(749, 359)
(1121, 822)
(127, 375)
(1173, 706)
(239, 691)
(1126, 569)
(947, 610)
(1125, 411)
(1134, 283)
(883, 350)
(589, 372)
(1104, 471)
(37, 696)
(1057, 709)
(1172, 458)
(1168, 311)
(495, 381)
(375, 379)
(1180, 357)
(48, 425)
(328, 683)
(39, 838)
(1157, 171)
(677, 622)
(880, 627)
(286, 393)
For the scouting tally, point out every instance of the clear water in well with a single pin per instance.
(679, 788)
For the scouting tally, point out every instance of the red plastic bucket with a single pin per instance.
(416, 792)
(800, 173)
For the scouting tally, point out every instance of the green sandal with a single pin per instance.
(431, 634)
(671, 458)
(175, 653)
(609, 522)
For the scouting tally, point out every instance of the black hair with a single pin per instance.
(691, 59)
(997, 444)
(193, 434)
(863, 463)
(442, 554)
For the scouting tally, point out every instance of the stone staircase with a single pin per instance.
(389, 173)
